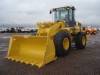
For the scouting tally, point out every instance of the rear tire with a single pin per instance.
(80, 40)
(62, 43)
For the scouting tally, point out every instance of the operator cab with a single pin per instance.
(64, 13)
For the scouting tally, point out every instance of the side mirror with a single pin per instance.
(50, 12)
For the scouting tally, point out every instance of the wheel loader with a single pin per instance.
(52, 39)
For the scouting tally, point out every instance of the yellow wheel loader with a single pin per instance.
(52, 39)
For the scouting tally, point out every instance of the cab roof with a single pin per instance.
(64, 8)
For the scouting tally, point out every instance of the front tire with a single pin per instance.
(62, 43)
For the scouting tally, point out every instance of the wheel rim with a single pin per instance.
(83, 40)
(66, 43)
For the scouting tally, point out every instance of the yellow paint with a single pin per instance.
(66, 43)
(84, 40)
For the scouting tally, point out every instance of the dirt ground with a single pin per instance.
(78, 62)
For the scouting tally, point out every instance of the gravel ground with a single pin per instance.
(78, 62)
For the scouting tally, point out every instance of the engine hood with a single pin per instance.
(47, 24)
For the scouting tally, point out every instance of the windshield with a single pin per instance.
(60, 15)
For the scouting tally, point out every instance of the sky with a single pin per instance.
(33, 11)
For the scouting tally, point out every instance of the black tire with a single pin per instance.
(78, 40)
(58, 41)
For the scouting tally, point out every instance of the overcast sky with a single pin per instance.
(32, 11)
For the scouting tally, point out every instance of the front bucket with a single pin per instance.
(35, 50)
